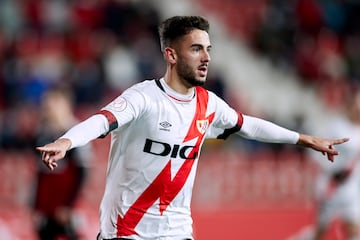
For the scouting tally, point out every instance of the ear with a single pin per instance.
(170, 55)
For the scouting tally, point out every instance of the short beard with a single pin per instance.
(194, 82)
(186, 73)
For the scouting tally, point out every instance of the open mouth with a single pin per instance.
(202, 70)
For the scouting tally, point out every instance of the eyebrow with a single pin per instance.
(200, 45)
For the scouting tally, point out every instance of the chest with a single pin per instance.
(169, 120)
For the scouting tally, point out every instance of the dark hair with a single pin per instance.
(178, 26)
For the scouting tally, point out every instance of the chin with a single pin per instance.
(195, 81)
(199, 82)
(202, 81)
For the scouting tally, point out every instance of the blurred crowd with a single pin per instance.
(93, 48)
(317, 39)
(97, 48)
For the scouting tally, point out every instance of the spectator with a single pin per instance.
(57, 191)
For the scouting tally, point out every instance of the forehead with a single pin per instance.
(198, 37)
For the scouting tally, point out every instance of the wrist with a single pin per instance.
(303, 141)
(65, 142)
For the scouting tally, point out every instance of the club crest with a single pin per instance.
(202, 125)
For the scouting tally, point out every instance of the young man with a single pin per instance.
(157, 129)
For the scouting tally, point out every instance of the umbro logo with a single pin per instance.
(165, 126)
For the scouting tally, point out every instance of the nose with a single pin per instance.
(206, 56)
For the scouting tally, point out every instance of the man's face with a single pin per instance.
(193, 58)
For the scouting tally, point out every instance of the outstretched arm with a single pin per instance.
(265, 131)
(77, 136)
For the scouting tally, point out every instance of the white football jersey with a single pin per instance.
(156, 136)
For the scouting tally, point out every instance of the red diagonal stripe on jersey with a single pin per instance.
(126, 225)
(174, 187)
(163, 187)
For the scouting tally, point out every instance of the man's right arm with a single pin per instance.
(77, 136)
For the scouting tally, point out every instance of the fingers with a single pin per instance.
(330, 157)
(49, 159)
(332, 152)
(50, 156)
(41, 148)
(340, 141)
(52, 165)
(46, 148)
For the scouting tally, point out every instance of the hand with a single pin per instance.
(323, 145)
(53, 152)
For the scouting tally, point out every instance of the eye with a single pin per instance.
(196, 48)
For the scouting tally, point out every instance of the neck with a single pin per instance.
(177, 84)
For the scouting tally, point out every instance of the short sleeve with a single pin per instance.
(125, 108)
(227, 121)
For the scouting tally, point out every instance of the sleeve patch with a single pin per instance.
(118, 105)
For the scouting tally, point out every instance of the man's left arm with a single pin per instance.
(265, 131)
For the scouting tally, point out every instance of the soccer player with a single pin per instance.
(157, 130)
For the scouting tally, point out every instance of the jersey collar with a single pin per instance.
(173, 94)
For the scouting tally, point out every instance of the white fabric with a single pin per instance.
(147, 114)
(265, 131)
(87, 130)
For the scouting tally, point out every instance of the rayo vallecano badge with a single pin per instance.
(202, 125)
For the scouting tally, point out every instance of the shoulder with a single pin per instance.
(143, 88)
(140, 94)
(146, 83)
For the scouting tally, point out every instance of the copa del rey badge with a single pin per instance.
(118, 104)
(202, 125)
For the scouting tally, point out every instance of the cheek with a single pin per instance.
(186, 63)
(191, 61)
(190, 57)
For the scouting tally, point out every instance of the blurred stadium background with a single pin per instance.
(289, 61)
